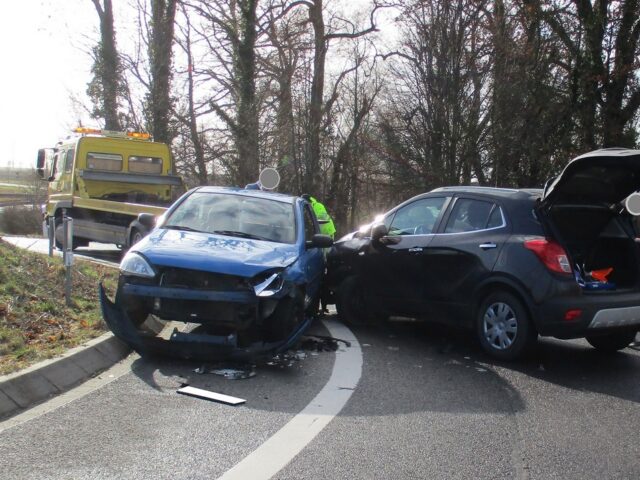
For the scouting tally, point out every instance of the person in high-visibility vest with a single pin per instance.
(324, 219)
(326, 228)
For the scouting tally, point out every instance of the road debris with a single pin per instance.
(235, 373)
(286, 359)
(327, 341)
(207, 395)
(228, 371)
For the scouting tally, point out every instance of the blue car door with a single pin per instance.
(312, 259)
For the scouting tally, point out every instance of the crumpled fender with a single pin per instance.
(189, 346)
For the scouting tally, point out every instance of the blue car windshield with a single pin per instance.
(235, 215)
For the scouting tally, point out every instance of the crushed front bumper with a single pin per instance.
(191, 346)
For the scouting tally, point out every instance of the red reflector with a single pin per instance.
(571, 315)
(550, 253)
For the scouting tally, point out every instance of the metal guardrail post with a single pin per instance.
(67, 246)
(51, 234)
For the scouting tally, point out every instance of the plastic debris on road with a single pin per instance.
(234, 373)
(230, 372)
(213, 396)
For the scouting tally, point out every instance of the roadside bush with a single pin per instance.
(20, 220)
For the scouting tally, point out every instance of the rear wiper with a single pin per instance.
(233, 233)
(182, 228)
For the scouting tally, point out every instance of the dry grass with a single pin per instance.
(35, 322)
(20, 220)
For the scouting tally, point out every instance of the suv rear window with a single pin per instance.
(469, 215)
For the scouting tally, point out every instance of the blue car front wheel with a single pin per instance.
(286, 317)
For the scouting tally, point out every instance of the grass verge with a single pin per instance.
(35, 323)
(20, 220)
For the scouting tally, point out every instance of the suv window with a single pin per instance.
(417, 218)
(469, 215)
(495, 219)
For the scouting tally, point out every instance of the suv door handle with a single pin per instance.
(487, 246)
(415, 249)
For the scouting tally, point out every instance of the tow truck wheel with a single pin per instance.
(136, 236)
(611, 342)
(77, 242)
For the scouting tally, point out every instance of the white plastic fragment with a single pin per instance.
(207, 395)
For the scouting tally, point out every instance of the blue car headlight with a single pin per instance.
(135, 264)
(267, 285)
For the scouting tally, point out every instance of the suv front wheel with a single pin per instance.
(503, 326)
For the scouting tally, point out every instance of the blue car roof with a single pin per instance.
(281, 197)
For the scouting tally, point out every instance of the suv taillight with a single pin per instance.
(550, 253)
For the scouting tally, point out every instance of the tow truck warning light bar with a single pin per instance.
(112, 133)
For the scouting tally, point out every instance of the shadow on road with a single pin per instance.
(572, 364)
(577, 366)
(275, 388)
(414, 367)
(406, 369)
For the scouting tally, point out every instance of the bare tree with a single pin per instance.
(322, 36)
(601, 44)
(106, 83)
(160, 58)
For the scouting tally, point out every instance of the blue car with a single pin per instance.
(241, 268)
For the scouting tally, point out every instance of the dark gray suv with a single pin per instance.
(509, 264)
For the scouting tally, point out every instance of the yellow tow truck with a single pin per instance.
(104, 180)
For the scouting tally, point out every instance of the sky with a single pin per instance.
(43, 45)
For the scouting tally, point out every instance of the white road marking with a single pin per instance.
(274, 454)
(106, 377)
(285, 444)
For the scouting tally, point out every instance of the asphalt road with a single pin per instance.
(428, 404)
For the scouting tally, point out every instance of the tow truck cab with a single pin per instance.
(104, 180)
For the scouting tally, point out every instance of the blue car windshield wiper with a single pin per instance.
(233, 233)
(181, 227)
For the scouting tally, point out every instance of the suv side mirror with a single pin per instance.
(320, 241)
(378, 231)
(147, 220)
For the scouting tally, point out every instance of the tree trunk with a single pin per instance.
(247, 111)
(312, 173)
(107, 66)
(160, 57)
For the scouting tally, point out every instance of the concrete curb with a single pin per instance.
(23, 389)
(26, 388)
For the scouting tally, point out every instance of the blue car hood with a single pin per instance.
(214, 253)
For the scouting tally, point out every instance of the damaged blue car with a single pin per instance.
(241, 269)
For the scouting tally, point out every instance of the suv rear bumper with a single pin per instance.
(600, 313)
